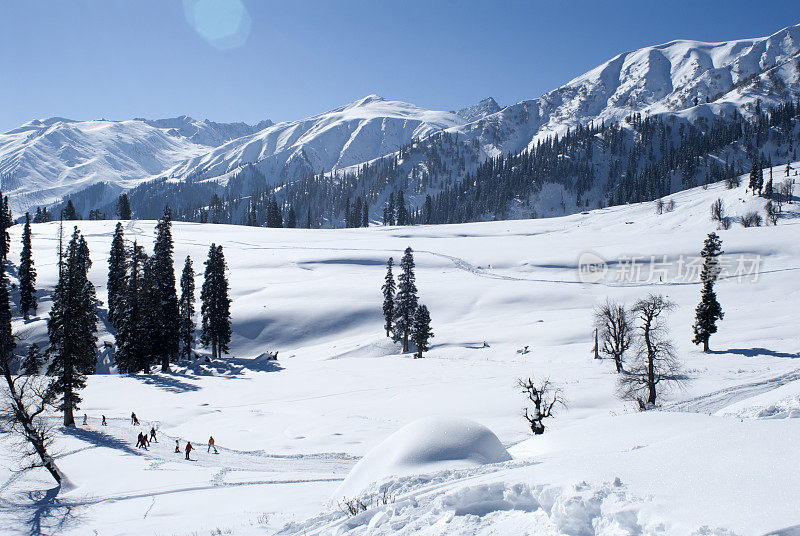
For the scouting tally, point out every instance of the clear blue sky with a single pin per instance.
(86, 59)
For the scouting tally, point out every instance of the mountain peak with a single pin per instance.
(368, 100)
(480, 110)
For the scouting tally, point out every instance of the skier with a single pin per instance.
(188, 449)
(211, 445)
(177, 445)
(104, 423)
(153, 435)
(145, 442)
(139, 441)
(134, 420)
(85, 422)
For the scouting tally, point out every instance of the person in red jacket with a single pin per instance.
(188, 449)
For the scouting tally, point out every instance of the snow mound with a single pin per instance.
(426, 445)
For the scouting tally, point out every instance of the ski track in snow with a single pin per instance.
(718, 400)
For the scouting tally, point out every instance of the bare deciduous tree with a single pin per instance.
(615, 331)
(25, 399)
(718, 214)
(786, 190)
(545, 398)
(750, 219)
(772, 213)
(655, 366)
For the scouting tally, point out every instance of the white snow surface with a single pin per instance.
(44, 160)
(426, 445)
(720, 457)
(360, 131)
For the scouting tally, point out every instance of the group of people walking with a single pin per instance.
(143, 441)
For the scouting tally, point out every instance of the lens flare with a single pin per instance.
(225, 24)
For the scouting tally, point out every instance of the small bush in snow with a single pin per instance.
(751, 219)
(545, 397)
(772, 213)
(718, 214)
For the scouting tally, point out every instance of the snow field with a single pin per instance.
(289, 432)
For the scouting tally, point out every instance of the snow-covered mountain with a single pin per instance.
(485, 107)
(363, 130)
(683, 77)
(44, 160)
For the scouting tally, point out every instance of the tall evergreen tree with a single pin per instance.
(365, 215)
(27, 272)
(402, 210)
(72, 326)
(7, 343)
(132, 353)
(117, 274)
(405, 302)
(33, 361)
(388, 289)
(421, 331)
(164, 299)
(708, 310)
(291, 218)
(68, 213)
(6, 221)
(216, 303)
(187, 309)
(124, 207)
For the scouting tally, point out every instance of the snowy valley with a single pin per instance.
(718, 457)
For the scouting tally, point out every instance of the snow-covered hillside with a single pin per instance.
(44, 160)
(720, 458)
(363, 130)
(667, 78)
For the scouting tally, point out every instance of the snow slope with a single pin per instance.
(289, 432)
(363, 130)
(44, 160)
(666, 78)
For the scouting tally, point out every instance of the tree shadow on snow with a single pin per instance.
(167, 381)
(101, 439)
(756, 352)
(45, 513)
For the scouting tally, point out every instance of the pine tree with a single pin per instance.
(215, 308)
(165, 336)
(68, 213)
(187, 308)
(117, 270)
(6, 221)
(291, 218)
(388, 211)
(708, 310)
(365, 216)
(132, 353)
(405, 302)
(72, 326)
(27, 273)
(388, 289)
(124, 207)
(33, 361)
(754, 177)
(7, 343)
(421, 330)
(402, 210)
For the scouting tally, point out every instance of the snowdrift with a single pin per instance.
(426, 445)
